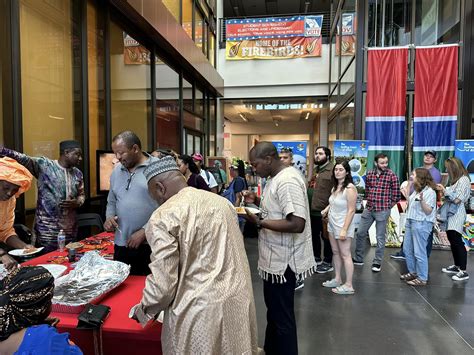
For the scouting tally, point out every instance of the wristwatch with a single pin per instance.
(259, 224)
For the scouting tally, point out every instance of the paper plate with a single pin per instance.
(54, 269)
(20, 252)
(241, 210)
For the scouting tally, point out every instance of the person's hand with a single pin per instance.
(343, 234)
(70, 204)
(250, 217)
(136, 239)
(441, 188)
(132, 314)
(324, 213)
(9, 262)
(249, 196)
(111, 224)
(421, 196)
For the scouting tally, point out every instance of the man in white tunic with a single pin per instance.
(200, 272)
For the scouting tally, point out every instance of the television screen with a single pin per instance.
(106, 161)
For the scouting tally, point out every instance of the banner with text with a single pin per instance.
(346, 38)
(299, 150)
(274, 38)
(355, 152)
(464, 150)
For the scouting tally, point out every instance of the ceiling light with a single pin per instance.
(243, 117)
(276, 123)
(307, 115)
(56, 117)
(320, 105)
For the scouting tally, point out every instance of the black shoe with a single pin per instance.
(324, 268)
(461, 276)
(453, 269)
(376, 267)
(299, 285)
(355, 262)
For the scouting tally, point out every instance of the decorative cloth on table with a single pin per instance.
(160, 166)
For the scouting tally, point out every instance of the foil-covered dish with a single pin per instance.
(91, 279)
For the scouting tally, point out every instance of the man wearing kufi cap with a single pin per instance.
(15, 179)
(200, 273)
(60, 191)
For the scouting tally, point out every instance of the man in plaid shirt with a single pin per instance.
(382, 192)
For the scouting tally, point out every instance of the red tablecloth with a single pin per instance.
(120, 335)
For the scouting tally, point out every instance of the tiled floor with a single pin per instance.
(385, 316)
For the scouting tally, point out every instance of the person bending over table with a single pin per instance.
(14, 180)
(25, 304)
(129, 206)
(200, 273)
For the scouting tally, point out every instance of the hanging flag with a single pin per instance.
(386, 105)
(436, 102)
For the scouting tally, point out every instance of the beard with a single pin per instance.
(321, 162)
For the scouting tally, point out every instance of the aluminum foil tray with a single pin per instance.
(92, 278)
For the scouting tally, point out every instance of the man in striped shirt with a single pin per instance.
(382, 193)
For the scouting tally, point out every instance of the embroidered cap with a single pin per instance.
(160, 166)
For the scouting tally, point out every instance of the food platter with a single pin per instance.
(24, 252)
(242, 210)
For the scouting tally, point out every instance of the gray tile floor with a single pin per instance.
(385, 316)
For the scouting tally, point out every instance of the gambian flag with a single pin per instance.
(386, 105)
(436, 102)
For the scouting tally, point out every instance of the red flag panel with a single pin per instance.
(436, 81)
(386, 82)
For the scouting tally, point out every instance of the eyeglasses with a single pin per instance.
(129, 181)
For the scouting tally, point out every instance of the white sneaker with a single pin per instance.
(461, 276)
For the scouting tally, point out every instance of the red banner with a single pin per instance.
(386, 82)
(436, 81)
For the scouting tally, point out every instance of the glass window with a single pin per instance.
(198, 32)
(173, 7)
(212, 126)
(187, 95)
(187, 11)
(192, 121)
(212, 49)
(199, 103)
(96, 90)
(332, 131)
(130, 85)
(167, 107)
(346, 122)
(437, 21)
(389, 25)
(49, 56)
(348, 79)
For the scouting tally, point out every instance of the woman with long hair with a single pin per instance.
(421, 215)
(189, 169)
(456, 194)
(341, 228)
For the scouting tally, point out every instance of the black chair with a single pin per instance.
(89, 224)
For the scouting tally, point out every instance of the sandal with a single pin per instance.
(331, 283)
(343, 290)
(408, 277)
(416, 282)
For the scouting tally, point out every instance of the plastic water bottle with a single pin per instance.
(61, 240)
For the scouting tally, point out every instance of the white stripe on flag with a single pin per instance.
(385, 119)
(436, 149)
(436, 119)
(387, 147)
(386, 48)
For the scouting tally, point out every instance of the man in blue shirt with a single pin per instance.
(429, 161)
(129, 206)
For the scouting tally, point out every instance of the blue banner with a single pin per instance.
(299, 150)
(464, 150)
(356, 153)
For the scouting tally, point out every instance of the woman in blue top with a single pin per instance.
(238, 184)
(25, 304)
(421, 216)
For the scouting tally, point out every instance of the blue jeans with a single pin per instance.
(366, 221)
(429, 247)
(414, 247)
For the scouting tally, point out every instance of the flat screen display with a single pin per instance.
(106, 161)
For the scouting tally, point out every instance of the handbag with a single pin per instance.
(93, 316)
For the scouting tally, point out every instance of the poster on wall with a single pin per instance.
(299, 150)
(274, 38)
(347, 35)
(133, 52)
(464, 150)
(355, 152)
